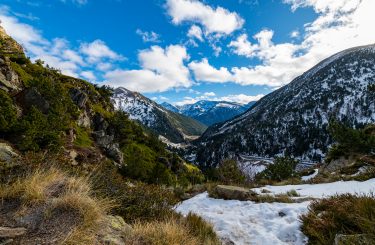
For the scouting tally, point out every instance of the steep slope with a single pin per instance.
(173, 126)
(294, 119)
(210, 112)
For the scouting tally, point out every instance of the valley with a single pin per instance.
(221, 137)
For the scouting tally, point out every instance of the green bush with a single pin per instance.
(228, 172)
(283, 168)
(83, 137)
(38, 131)
(346, 214)
(349, 140)
(8, 115)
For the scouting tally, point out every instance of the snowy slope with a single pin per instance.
(293, 120)
(173, 126)
(210, 112)
(261, 223)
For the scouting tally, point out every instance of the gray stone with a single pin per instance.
(114, 230)
(79, 98)
(7, 153)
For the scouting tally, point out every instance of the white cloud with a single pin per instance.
(209, 94)
(195, 32)
(89, 75)
(58, 53)
(203, 71)
(98, 50)
(242, 98)
(213, 20)
(162, 69)
(339, 25)
(148, 37)
(78, 2)
(294, 34)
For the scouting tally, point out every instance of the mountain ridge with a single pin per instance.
(333, 89)
(210, 112)
(172, 126)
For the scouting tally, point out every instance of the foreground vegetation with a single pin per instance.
(345, 215)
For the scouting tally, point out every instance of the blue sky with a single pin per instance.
(181, 51)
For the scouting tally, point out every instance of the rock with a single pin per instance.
(79, 98)
(73, 155)
(282, 214)
(84, 120)
(8, 232)
(9, 79)
(31, 97)
(114, 231)
(357, 239)
(228, 192)
(106, 142)
(7, 153)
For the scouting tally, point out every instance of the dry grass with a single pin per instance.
(344, 214)
(175, 230)
(54, 190)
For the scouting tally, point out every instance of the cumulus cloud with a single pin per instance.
(339, 25)
(213, 20)
(162, 69)
(195, 32)
(203, 71)
(58, 52)
(98, 50)
(149, 37)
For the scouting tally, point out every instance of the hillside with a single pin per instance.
(175, 127)
(210, 112)
(293, 120)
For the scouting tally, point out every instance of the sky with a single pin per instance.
(182, 51)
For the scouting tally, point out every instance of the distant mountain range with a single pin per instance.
(174, 127)
(210, 112)
(293, 120)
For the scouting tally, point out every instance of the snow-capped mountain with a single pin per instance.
(210, 112)
(294, 119)
(173, 126)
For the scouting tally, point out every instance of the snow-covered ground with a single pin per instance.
(311, 176)
(266, 223)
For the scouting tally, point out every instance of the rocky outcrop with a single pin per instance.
(9, 79)
(31, 97)
(79, 97)
(111, 149)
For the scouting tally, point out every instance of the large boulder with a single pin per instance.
(228, 192)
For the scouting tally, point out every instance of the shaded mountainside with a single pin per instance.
(293, 120)
(210, 112)
(175, 127)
